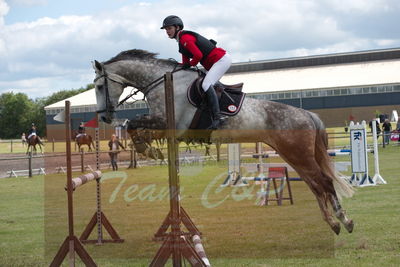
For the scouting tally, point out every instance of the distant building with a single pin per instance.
(338, 87)
(83, 109)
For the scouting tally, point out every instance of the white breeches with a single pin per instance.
(79, 135)
(217, 71)
(29, 136)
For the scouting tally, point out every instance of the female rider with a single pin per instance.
(194, 49)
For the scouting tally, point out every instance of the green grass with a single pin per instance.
(236, 232)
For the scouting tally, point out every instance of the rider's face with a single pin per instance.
(170, 30)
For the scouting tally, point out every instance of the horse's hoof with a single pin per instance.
(336, 228)
(349, 226)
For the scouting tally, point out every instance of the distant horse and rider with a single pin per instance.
(82, 138)
(32, 140)
(142, 142)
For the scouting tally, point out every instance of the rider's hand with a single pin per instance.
(186, 66)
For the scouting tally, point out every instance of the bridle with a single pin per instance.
(145, 90)
(109, 105)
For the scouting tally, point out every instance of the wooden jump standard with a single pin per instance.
(176, 243)
(72, 244)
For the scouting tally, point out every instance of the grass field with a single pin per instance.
(236, 231)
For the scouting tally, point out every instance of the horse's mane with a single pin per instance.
(138, 54)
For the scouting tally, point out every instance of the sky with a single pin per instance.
(48, 45)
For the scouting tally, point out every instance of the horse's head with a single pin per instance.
(136, 68)
(109, 87)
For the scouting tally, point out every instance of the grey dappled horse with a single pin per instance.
(298, 135)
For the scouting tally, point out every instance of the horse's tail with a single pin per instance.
(342, 188)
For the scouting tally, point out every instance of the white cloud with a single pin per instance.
(32, 54)
(4, 8)
(28, 3)
(362, 6)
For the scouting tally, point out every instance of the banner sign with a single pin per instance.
(358, 141)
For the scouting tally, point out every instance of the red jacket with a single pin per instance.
(189, 42)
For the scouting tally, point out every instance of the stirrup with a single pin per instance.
(218, 123)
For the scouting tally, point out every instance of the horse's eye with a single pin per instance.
(100, 87)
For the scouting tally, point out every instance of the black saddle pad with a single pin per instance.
(230, 97)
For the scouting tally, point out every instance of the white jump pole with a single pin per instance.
(378, 179)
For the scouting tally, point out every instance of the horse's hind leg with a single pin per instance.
(341, 214)
(321, 195)
(310, 172)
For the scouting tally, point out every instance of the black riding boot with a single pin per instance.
(212, 98)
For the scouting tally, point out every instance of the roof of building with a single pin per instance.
(88, 98)
(318, 77)
(363, 68)
(317, 60)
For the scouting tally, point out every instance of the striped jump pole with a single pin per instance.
(198, 246)
(83, 179)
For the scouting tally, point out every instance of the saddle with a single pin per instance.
(230, 98)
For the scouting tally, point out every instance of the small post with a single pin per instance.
(134, 159)
(98, 213)
(96, 131)
(82, 160)
(53, 145)
(218, 146)
(30, 164)
(383, 139)
(11, 148)
(133, 162)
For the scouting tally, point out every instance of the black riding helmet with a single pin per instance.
(172, 21)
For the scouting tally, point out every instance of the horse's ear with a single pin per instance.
(97, 66)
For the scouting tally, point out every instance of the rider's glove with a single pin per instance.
(186, 66)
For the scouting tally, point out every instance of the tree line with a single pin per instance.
(18, 111)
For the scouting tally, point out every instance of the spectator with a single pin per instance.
(387, 127)
(398, 130)
(23, 139)
(378, 129)
(114, 144)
